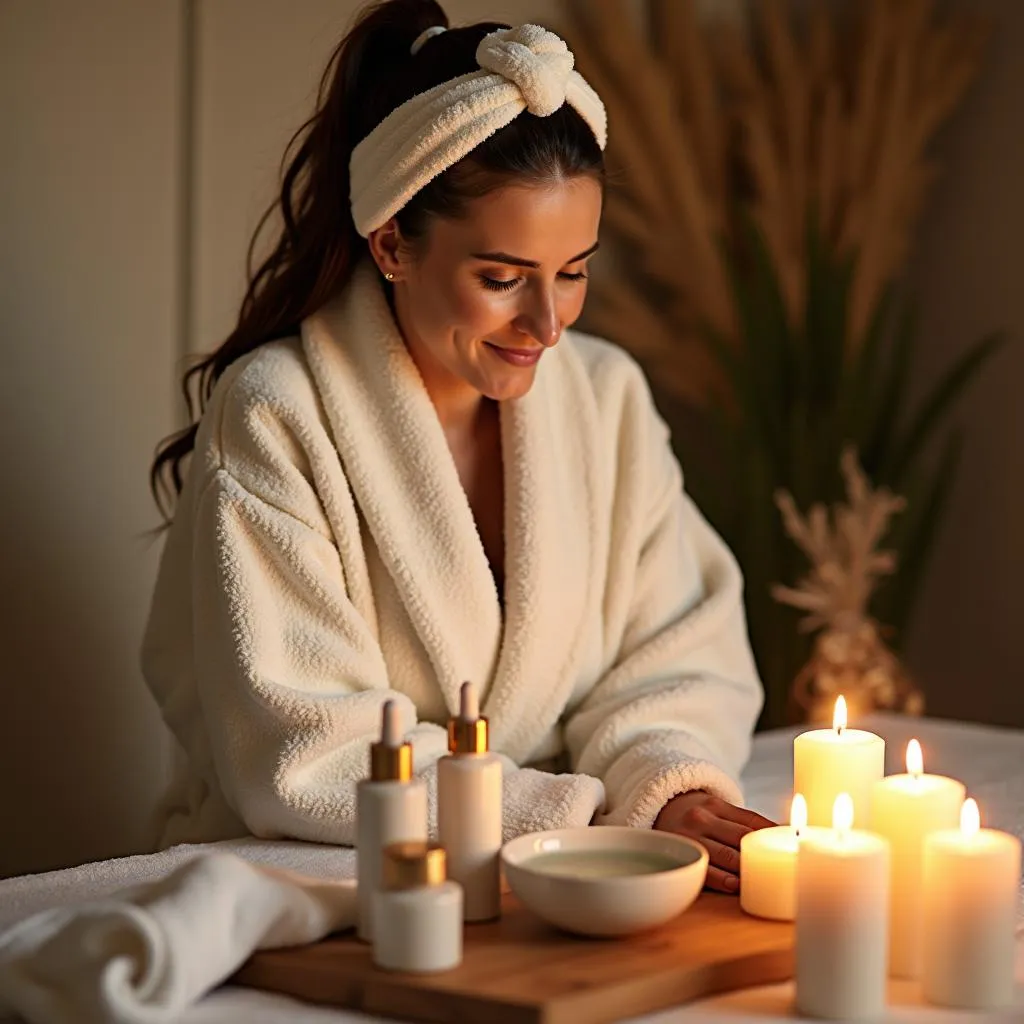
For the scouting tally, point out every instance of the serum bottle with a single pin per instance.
(417, 913)
(391, 807)
(469, 810)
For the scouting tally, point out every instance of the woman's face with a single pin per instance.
(483, 297)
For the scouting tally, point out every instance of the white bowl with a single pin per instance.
(620, 901)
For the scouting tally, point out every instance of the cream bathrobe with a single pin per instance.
(324, 558)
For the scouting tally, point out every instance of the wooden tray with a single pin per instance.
(519, 970)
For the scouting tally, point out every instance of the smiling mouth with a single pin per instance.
(516, 356)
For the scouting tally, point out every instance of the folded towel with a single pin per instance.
(147, 954)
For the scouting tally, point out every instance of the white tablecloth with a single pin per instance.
(990, 761)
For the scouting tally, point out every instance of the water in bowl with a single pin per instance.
(601, 863)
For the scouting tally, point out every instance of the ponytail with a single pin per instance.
(318, 246)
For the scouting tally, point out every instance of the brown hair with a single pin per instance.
(370, 73)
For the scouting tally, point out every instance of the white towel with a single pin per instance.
(146, 955)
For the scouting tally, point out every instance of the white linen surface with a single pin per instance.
(990, 761)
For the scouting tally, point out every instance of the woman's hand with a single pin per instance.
(718, 826)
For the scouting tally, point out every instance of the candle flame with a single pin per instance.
(970, 819)
(839, 715)
(842, 813)
(915, 759)
(798, 813)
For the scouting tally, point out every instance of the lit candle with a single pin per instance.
(971, 876)
(905, 809)
(827, 762)
(768, 865)
(842, 917)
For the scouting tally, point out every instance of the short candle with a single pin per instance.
(905, 809)
(768, 865)
(971, 878)
(827, 762)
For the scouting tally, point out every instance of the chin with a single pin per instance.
(515, 385)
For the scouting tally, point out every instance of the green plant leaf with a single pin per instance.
(912, 537)
(881, 412)
(858, 384)
(766, 342)
(900, 457)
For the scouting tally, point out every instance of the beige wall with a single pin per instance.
(88, 182)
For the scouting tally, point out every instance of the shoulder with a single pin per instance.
(270, 387)
(265, 424)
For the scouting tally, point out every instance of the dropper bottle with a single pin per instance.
(391, 807)
(469, 810)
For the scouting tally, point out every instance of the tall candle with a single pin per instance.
(768, 865)
(971, 877)
(905, 809)
(827, 762)
(842, 916)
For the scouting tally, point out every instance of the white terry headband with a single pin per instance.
(525, 68)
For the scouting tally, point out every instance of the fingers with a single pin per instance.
(727, 832)
(741, 815)
(722, 856)
(721, 881)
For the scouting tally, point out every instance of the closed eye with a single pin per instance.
(507, 286)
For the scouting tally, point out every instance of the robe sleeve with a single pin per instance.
(676, 710)
(292, 681)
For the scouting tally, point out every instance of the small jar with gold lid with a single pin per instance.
(417, 912)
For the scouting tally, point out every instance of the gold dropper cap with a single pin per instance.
(412, 864)
(468, 731)
(390, 759)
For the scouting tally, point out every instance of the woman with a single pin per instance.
(409, 473)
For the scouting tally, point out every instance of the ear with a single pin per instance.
(385, 247)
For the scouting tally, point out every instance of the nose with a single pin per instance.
(539, 318)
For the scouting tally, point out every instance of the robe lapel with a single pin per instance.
(550, 564)
(405, 482)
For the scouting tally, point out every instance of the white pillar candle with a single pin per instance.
(842, 917)
(768, 865)
(905, 809)
(827, 762)
(971, 878)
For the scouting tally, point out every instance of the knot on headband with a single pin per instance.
(534, 59)
(526, 68)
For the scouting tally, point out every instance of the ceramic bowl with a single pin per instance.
(610, 881)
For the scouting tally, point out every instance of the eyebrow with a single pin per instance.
(518, 261)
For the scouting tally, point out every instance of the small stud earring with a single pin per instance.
(389, 276)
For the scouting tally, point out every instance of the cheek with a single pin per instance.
(477, 312)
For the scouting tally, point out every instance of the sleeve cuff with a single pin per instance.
(654, 771)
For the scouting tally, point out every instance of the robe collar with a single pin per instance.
(404, 479)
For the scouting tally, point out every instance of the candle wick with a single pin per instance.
(797, 831)
(839, 730)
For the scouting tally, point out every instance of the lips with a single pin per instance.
(516, 356)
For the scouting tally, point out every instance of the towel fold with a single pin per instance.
(148, 953)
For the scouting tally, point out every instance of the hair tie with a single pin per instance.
(429, 33)
(525, 68)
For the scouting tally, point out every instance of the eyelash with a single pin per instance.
(507, 286)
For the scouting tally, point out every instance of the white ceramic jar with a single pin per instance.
(417, 913)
